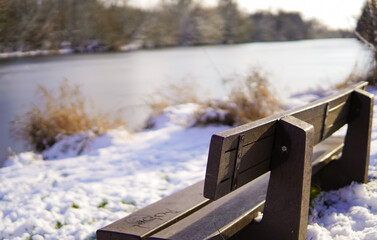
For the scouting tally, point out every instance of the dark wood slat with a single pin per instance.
(327, 151)
(337, 113)
(335, 127)
(157, 216)
(229, 157)
(232, 228)
(218, 169)
(312, 113)
(335, 103)
(254, 172)
(253, 131)
(256, 157)
(220, 215)
(255, 153)
(332, 98)
(317, 123)
(222, 156)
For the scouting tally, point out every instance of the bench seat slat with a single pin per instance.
(154, 217)
(206, 223)
(327, 151)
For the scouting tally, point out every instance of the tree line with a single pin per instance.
(91, 25)
(366, 31)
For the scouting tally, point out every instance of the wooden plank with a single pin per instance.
(335, 127)
(327, 151)
(255, 153)
(226, 213)
(338, 113)
(331, 98)
(308, 114)
(222, 155)
(218, 169)
(253, 132)
(253, 172)
(317, 123)
(153, 218)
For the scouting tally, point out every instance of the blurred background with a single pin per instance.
(121, 53)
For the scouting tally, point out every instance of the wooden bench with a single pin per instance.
(265, 166)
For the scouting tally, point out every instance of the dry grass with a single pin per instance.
(186, 91)
(354, 77)
(61, 114)
(250, 99)
(371, 78)
(253, 98)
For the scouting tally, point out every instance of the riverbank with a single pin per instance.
(35, 53)
(128, 48)
(18, 54)
(124, 81)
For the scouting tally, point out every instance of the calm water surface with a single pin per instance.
(125, 81)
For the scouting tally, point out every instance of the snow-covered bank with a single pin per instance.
(35, 53)
(69, 196)
(125, 48)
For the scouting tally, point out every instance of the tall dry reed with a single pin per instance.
(60, 114)
(250, 99)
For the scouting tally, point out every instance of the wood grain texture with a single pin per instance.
(143, 223)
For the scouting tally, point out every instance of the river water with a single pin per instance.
(125, 81)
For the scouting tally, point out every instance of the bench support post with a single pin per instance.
(354, 162)
(287, 202)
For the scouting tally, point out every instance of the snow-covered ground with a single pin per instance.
(61, 195)
(34, 53)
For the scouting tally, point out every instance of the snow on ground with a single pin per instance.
(34, 53)
(351, 212)
(70, 196)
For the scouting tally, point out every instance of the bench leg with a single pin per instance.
(354, 162)
(285, 215)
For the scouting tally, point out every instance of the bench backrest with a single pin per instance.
(239, 155)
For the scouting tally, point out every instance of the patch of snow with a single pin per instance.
(34, 53)
(22, 159)
(350, 212)
(181, 115)
(62, 199)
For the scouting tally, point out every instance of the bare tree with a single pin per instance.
(366, 31)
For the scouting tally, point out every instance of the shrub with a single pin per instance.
(353, 77)
(186, 91)
(366, 32)
(250, 99)
(253, 98)
(61, 114)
